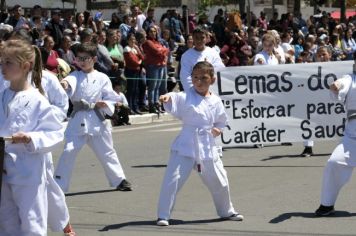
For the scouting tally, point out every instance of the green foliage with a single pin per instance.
(334, 3)
(143, 4)
(204, 4)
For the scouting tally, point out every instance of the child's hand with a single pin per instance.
(64, 84)
(335, 86)
(260, 61)
(119, 104)
(215, 131)
(100, 104)
(164, 98)
(21, 137)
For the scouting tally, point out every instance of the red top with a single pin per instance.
(133, 58)
(156, 53)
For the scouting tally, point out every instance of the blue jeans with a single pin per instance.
(163, 86)
(154, 75)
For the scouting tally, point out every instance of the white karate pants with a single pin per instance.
(58, 214)
(213, 176)
(338, 170)
(102, 145)
(23, 210)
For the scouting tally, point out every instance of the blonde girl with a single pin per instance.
(27, 117)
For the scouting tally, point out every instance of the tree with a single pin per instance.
(242, 5)
(144, 4)
(3, 5)
(296, 7)
(204, 4)
(340, 3)
(343, 10)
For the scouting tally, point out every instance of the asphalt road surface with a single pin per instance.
(273, 187)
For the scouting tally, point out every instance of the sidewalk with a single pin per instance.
(150, 118)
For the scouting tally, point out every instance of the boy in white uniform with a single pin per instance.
(93, 97)
(204, 118)
(28, 118)
(342, 161)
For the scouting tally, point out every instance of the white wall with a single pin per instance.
(81, 6)
(43, 3)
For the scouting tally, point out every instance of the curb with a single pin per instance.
(150, 118)
(144, 119)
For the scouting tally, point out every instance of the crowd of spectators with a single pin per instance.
(143, 55)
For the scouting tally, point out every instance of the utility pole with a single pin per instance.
(248, 13)
(296, 7)
(343, 10)
(3, 5)
(273, 7)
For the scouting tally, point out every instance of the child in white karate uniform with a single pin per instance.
(342, 161)
(58, 214)
(27, 117)
(204, 118)
(93, 97)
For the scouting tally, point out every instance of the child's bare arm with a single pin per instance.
(65, 84)
(216, 132)
(100, 104)
(21, 137)
(335, 86)
(164, 98)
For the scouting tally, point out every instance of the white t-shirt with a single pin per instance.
(266, 58)
(280, 51)
(191, 57)
(139, 20)
(286, 47)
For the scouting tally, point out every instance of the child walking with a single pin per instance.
(204, 118)
(93, 97)
(27, 117)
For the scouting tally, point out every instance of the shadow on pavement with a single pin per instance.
(289, 215)
(152, 166)
(90, 192)
(153, 223)
(293, 156)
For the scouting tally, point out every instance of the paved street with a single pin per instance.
(276, 190)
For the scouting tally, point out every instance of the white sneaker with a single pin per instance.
(235, 217)
(162, 222)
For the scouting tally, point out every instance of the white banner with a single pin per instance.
(283, 103)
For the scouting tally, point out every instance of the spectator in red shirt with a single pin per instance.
(155, 62)
(133, 60)
(262, 21)
(51, 63)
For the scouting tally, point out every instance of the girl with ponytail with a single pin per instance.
(32, 128)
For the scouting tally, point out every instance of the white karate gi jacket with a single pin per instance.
(53, 91)
(199, 115)
(92, 87)
(30, 112)
(347, 95)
